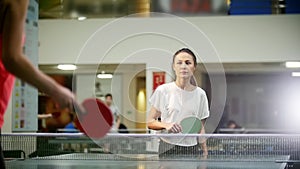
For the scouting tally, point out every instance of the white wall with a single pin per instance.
(268, 101)
(85, 87)
(237, 38)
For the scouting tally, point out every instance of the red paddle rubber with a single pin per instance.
(97, 119)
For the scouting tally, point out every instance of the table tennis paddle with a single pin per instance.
(191, 125)
(95, 120)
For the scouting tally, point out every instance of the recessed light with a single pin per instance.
(81, 18)
(292, 64)
(296, 74)
(104, 76)
(67, 67)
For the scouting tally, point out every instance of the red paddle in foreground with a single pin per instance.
(95, 120)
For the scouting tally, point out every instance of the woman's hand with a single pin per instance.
(173, 128)
(63, 97)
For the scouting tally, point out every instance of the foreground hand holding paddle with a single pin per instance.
(174, 128)
(94, 118)
(188, 125)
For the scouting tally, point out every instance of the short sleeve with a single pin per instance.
(203, 107)
(156, 100)
(117, 112)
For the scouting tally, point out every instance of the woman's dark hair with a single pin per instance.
(187, 50)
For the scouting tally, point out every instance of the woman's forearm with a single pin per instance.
(23, 69)
(156, 125)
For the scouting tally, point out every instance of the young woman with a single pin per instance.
(174, 101)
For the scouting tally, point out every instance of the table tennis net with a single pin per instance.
(145, 146)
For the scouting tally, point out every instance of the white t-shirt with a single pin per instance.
(175, 104)
(115, 112)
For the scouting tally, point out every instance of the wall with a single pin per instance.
(236, 38)
(85, 88)
(122, 86)
(267, 101)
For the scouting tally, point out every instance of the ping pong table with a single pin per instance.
(225, 152)
(95, 161)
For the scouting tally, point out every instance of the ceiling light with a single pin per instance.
(67, 67)
(81, 18)
(104, 76)
(296, 74)
(292, 64)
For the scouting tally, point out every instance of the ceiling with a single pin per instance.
(72, 9)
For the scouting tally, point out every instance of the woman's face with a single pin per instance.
(184, 65)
